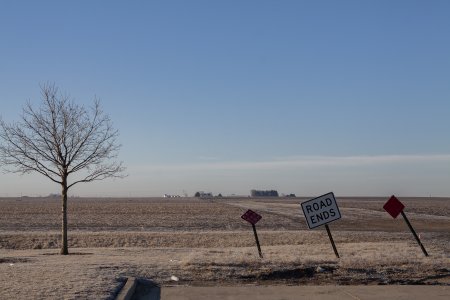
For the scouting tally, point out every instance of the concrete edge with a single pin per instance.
(126, 293)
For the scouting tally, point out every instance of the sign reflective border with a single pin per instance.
(321, 210)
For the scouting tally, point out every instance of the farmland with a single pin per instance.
(205, 242)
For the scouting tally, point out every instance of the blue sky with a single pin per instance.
(305, 97)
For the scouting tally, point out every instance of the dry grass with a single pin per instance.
(204, 239)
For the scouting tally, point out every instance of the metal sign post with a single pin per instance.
(394, 207)
(414, 233)
(321, 211)
(331, 239)
(257, 241)
(253, 218)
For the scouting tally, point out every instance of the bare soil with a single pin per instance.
(205, 242)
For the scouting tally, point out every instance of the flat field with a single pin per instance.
(205, 242)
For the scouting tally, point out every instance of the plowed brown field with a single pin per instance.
(205, 242)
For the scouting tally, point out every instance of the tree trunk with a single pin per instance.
(64, 246)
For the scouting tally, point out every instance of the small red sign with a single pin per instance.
(251, 217)
(393, 206)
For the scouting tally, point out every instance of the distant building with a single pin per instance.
(260, 193)
(171, 196)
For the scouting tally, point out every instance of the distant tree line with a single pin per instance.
(206, 195)
(259, 193)
(203, 195)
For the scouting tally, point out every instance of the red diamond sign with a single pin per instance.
(393, 206)
(251, 217)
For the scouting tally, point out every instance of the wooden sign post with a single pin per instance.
(321, 211)
(394, 207)
(253, 218)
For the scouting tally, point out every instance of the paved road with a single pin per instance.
(306, 292)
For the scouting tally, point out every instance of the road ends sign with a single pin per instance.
(393, 206)
(321, 210)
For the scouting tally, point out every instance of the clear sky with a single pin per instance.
(305, 97)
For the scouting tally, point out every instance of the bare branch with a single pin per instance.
(102, 172)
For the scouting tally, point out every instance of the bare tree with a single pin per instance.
(58, 139)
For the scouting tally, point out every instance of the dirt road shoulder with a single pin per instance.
(306, 292)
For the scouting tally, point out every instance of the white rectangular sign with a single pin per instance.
(321, 210)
